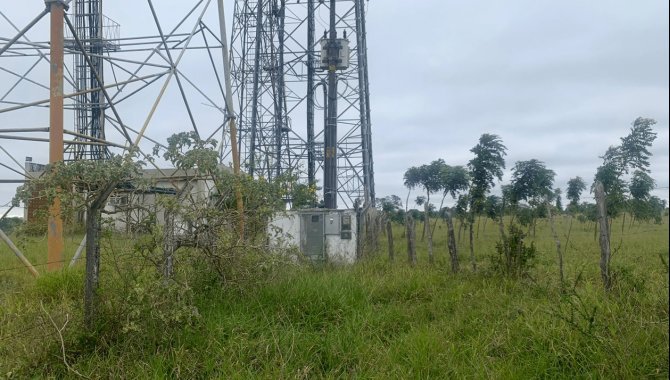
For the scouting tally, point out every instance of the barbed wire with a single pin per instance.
(117, 258)
(23, 333)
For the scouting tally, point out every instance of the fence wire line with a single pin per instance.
(116, 258)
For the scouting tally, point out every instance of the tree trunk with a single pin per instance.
(389, 236)
(503, 236)
(168, 244)
(411, 243)
(92, 264)
(451, 243)
(377, 229)
(426, 230)
(534, 227)
(432, 231)
(605, 253)
(558, 245)
(404, 231)
(423, 230)
(501, 229)
(472, 244)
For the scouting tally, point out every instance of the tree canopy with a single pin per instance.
(575, 188)
(485, 167)
(532, 181)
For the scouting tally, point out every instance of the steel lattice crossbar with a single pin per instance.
(278, 89)
(275, 55)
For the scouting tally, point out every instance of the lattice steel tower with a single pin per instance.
(98, 35)
(281, 82)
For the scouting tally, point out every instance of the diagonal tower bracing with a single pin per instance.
(98, 35)
(281, 93)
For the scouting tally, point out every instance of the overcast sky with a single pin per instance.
(558, 81)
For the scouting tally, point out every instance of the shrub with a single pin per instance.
(514, 256)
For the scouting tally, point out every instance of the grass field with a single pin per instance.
(373, 320)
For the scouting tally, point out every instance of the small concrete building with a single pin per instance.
(129, 208)
(323, 236)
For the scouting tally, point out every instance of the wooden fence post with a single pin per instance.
(411, 241)
(557, 241)
(389, 236)
(605, 252)
(451, 243)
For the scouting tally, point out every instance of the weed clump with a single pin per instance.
(514, 257)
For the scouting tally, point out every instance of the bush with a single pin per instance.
(514, 256)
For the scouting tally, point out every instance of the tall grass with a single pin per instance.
(375, 319)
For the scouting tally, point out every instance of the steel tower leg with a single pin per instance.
(288, 97)
(311, 30)
(256, 88)
(330, 135)
(55, 244)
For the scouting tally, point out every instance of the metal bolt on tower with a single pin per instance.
(280, 71)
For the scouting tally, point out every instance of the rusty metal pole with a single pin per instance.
(231, 116)
(55, 225)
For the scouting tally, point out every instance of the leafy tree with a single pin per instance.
(485, 167)
(641, 185)
(575, 188)
(635, 146)
(390, 203)
(84, 185)
(8, 224)
(461, 208)
(633, 153)
(642, 205)
(411, 179)
(392, 206)
(186, 150)
(454, 180)
(414, 214)
(610, 175)
(533, 183)
(507, 197)
(493, 207)
(429, 177)
(303, 196)
(558, 199)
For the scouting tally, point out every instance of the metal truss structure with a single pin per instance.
(278, 82)
(114, 86)
(98, 35)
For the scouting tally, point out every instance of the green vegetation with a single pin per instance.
(8, 224)
(194, 298)
(372, 320)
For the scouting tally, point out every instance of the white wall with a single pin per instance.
(285, 231)
(341, 250)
